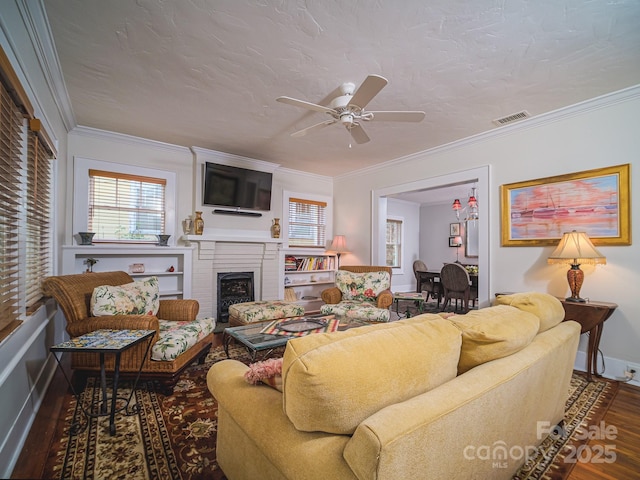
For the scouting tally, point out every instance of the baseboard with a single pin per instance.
(613, 367)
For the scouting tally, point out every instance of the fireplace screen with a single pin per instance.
(233, 288)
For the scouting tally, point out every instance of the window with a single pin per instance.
(394, 243)
(307, 223)
(25, 202)
(125, 207)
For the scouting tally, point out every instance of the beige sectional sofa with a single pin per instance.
(421, 398)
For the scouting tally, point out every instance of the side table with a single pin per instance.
(591, 316)
(102, 342)
(418, 299)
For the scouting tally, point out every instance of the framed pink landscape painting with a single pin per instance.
(537, 212)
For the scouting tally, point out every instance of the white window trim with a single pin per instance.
(284, 222)
(399, 270)
(81, 167)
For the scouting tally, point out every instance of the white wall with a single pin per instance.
(403, 279)
(26, 366)
(596, 134)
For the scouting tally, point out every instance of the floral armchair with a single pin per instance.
(362, 292)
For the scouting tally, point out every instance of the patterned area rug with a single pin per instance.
(174, 437)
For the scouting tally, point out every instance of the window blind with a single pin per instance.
(125, 207)
(307, 223)
(38, 201)
(11, 195)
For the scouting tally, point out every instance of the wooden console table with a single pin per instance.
(591, 316)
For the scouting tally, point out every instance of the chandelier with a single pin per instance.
(471, 209)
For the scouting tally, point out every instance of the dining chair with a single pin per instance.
(425, 282)
(456, 285)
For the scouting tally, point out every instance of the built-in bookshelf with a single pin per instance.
(305, 276)
(172, 265)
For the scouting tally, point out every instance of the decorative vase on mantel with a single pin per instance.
(198, 224)
(275, 228)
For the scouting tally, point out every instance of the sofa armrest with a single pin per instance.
(181, 310)
(331, 295)
(385, 299)
(251, 416)
(116, 322)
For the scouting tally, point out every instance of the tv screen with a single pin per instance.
(226, 186)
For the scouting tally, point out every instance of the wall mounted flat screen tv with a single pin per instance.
(234, 187)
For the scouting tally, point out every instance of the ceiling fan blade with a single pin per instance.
(369, 89)
(308, 105)
(358, 133)
(312, 128)
(406, 116)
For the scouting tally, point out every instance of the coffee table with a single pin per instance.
(251, 337)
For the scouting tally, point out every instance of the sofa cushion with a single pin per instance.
(175, 338)
(362, 287)
(494, 332)
(334, 381)
(135, 298)
(546, 307)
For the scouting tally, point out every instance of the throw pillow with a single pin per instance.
(268, 372)
(135, 298)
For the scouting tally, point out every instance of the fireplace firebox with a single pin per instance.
(235, 287)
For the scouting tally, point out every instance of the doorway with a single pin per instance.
(478, 176)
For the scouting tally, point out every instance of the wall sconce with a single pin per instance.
(339, 246)
(575, 249)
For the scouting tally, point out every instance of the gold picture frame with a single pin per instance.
(537, 212)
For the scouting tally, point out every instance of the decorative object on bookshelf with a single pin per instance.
(171, 269)
(290, 295)
(86, 238)
(198, 224)
(275, 228)
(90, 262)
(163, 240)
(136, 268)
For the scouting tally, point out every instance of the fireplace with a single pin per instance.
(236, 287)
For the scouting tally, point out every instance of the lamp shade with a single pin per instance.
(339, 244)
(575, 248)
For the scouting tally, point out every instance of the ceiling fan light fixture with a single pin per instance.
(346, 119)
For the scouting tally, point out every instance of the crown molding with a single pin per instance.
(581, 108)
(37, 26)
(202, 155)
(90, 132)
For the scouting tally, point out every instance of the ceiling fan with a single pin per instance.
(349, 109)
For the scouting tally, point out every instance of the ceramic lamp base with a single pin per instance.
(575, 277)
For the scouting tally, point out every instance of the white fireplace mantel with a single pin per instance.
(235, 236)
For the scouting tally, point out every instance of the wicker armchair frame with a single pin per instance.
(333, 295)
(73, 295)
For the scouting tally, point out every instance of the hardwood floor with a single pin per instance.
(623, 414)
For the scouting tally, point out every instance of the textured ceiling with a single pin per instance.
(206, 73)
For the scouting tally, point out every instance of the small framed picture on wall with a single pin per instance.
(454, 229)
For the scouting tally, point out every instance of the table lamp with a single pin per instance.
(576, 249)
(339, 246)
